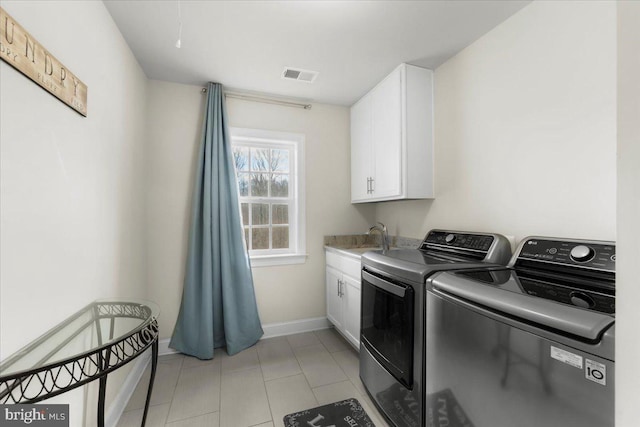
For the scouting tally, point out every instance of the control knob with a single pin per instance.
(581, 299)
(582, 253)
(450, 238)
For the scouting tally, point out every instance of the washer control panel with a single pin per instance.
(587, 299)
(588, 254)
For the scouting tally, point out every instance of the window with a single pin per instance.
(270, 184)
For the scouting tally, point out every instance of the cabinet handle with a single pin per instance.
(338, 286)
(373, 189)
(367, 185)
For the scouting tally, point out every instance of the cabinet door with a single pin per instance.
(334, 300)
(351, 299)
(361, 148)
(387, 136)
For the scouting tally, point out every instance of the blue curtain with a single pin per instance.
(218, 300)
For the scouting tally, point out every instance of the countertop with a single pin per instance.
(355, 253)
(354, 245)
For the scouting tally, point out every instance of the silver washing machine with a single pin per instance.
(529, 345)
(393, 314)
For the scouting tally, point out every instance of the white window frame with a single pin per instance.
(296, 254)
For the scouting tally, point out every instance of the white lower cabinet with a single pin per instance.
(351, 307)
(334, 298)
(343, 295)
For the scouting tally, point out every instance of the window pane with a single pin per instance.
(266, 186)
(280, 237)
(280, 214)
(259, 185)
(279, 185)
(243, 184)
(241, 158)
(259, 159)
(245, 213)
(260, 214)
(260, 238)
(280, 160)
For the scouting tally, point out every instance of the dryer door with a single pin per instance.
(387, 325)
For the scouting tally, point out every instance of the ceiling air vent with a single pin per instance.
(299, 75)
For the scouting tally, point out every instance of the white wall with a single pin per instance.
(525, 130)
(628, 250)
(174, 125)
(71, 188)
(284, 293)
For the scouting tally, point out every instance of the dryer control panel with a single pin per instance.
(593, 255)
(479, 242)
(486, 247)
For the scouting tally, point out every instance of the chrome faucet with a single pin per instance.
(382, 229)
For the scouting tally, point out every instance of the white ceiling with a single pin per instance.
(245, 45)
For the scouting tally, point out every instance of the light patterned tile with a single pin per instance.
(349, 362)
(231, 391)
(156, 417)
(170, 356)
(304, 339)
(273, 341)
(318, 365)
(359, 385)
(193, 362)
(246, 359)
(197, 393)
(289, 395)
(335, 392)
(244, 399)
(207, 420)
(277, 360)
(164, 385)
(332, 340)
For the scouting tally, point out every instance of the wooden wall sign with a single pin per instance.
(20, 50)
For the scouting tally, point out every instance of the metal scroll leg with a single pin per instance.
(154, 364)
(103, 360)
(101, 396)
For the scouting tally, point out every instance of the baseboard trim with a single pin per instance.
(126, 391)
(164, 349)
(271, 330)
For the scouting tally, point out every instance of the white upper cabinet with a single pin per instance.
(392, 138)
(361, 137)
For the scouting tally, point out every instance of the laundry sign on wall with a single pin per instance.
(24, 53)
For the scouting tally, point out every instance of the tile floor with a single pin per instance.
(254, 388)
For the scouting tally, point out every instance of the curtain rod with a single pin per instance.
(266, 100)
